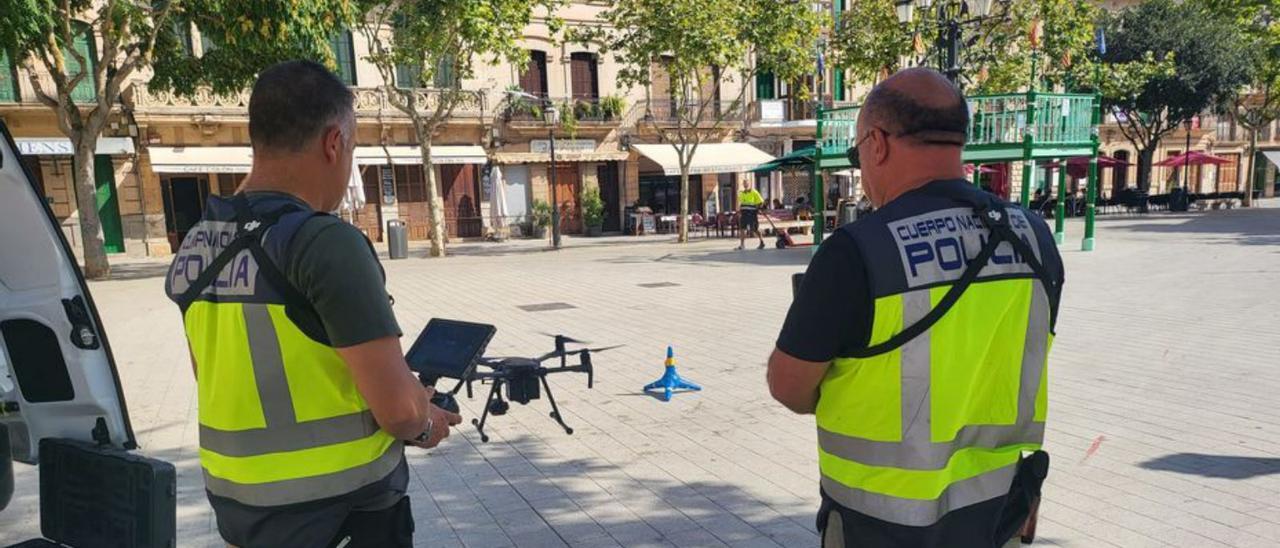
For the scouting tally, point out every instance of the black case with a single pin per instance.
(93, 497)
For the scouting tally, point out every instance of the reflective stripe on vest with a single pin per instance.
(281, 420)
(263, 443)
(940, 423)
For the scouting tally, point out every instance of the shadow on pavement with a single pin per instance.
(591, 500)
(760, 257)
(1215, 466)
(1247, 227)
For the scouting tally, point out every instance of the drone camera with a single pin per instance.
(523, 390)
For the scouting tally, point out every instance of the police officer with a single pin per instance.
(305, 400)
(919, 338)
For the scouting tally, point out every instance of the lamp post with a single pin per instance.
(950, 17)
(550, 115)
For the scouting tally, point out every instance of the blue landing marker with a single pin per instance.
(671, 380)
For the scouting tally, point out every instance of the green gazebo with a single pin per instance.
(1028, 127)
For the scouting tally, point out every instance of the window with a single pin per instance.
(182, 33)
(533, 80)
(206, 43)
(444, 76)
(765, 86)
(585, 75)
(86, 90)
(8, 80)
(1264, 134)
(408, 76)
(1226, 129)
(1229, 174)
(344, 55)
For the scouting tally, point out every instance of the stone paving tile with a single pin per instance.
(1162, 425)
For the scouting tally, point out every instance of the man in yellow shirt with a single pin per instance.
(749, 203)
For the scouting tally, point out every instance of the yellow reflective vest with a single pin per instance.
(281, 421)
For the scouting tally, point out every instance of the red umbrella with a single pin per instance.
(1193, 158)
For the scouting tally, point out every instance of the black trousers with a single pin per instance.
(391, 527)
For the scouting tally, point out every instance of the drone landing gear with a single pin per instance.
(497, 406)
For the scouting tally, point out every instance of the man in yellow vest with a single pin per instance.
(305, 400)
(749, 204)
(919, 338)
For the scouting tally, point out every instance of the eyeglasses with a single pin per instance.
(855, 162)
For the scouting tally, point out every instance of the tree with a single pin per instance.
(1258, 104)
(126, 37)
(995, 53)
(700, 45)
(437, 44)
(1166, 63)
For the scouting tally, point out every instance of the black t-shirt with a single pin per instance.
(832, 312)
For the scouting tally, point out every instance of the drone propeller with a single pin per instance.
(603, 348)
(564, 338)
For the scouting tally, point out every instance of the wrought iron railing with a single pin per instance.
(368, 101)
(671, 110)
(995, 120)
(583, 109)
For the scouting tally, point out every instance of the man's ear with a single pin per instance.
(879, 142)
(331, 143)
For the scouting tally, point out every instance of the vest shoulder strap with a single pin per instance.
(250, 228)
(995, 218)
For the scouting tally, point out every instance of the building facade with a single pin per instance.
(163, 155)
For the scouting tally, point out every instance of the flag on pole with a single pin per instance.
(1102, 41)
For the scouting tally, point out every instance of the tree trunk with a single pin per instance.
(1145, 157)
(1252, 174)
(96, 266)
(435, 211)
(682, 222)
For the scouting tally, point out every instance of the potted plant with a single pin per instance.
(540, 218)
(611, 107)
(592, 210)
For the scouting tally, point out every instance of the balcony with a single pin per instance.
(596, 110)
(784, 113)
(998, 126)
(668, 111)
(368, 102)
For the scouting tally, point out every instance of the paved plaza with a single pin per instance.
(1164, 423)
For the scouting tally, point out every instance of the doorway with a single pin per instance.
(568, 183)
(1120, 173)
(461, 201)
(184, 197)
(607, 175)
(108, 203)
(369, 218)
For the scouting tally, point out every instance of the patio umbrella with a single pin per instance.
(968, 168)
(1193, 158)
(354, 198)
(497, 201)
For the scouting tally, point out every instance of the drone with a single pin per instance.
(453, 349)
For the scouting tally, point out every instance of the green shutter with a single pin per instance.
(444, 77)
(8, 85)
(408, 76)
(85, 91)
(340, 43)
(764, 85)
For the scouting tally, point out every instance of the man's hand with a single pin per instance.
(440, 421)
(794, 382)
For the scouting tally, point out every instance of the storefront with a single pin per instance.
(527, 178)
(396, 188)
(188, 175)
(50, 161)
(714, 172)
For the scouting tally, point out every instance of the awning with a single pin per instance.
(61, 146)
(412, 155)
(708, 158)
(801, 158)
(1272, 156)
(573, 156)
(201, 159)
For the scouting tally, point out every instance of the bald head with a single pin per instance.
(911, 131)
(921, 104)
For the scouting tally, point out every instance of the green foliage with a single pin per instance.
(540, 214)
(568, 119)
(612, 107)
(996, 54)
(1258, 104)
(592, 206)
(740, 37)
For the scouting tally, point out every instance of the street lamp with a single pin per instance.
(950, 19)
(550, 115)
